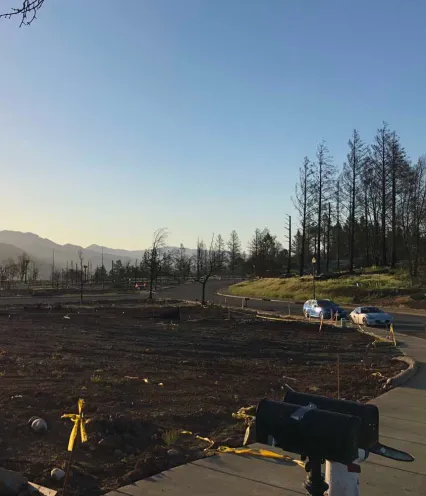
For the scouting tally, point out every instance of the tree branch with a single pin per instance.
(28, 11)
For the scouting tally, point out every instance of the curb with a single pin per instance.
(413, 312)
(405, 375)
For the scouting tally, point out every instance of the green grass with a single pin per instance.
(350, 289)
(170, 437)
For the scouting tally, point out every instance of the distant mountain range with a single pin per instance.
(43, 251)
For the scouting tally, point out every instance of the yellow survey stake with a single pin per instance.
(79, 424)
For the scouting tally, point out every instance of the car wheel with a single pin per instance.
(364, 321)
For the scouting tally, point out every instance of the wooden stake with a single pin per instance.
(67, 473)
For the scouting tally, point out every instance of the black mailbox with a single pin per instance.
(368, 414)
(308, 431)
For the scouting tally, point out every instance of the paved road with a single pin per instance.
(408, 324)
(414, 325)
(34, 300)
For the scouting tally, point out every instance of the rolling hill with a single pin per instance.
(43, 250)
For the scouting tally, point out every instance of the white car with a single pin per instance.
(370, 316)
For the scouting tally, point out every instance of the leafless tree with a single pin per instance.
(26, 10)
(205, 264)
(3, 275)
(324, 172)
(398, 170)
(220, 253)
(12, 270)
(381, 159)
(152, 257)
(303, 204)
(351, 186)
(182, 264)
(23, 262)
(413, 213)
(234, 250)
(34, 272)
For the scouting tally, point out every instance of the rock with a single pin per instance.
(173, 452)
(32, 420)
(11, 483)
(57, 474)
(39, 425)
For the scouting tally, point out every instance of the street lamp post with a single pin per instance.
(314, 261)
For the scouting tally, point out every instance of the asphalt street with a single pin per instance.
(404, 323)
(414, 325)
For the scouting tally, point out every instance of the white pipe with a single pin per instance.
(343, 480)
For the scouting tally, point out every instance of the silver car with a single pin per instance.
(370, 316)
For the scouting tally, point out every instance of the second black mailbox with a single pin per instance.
(369, 414)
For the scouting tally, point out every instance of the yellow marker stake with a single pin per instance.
(79, 424)
(259, 452)
(392, 333)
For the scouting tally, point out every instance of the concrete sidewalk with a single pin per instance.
(402, 425)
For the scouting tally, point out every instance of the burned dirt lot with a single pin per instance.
(147, 373)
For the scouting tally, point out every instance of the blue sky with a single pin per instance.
(121, 117)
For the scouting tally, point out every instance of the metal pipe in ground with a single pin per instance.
(343, 480)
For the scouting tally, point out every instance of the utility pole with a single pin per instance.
(328, 236)
(288, 228)
(103, 268)
(338, 223)
(136, 271)
(53, 268)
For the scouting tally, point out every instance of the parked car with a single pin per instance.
(371, 316)
(324, 308)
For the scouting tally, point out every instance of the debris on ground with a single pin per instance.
(38, 424)
(208, 370)
(57, 474)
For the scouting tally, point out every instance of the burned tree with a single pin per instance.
(351, 183)
(380, 156)
(23, 263)
(152, 257)
(324, 173)
(234, 250)
(26, 10)
(303, 204)
(205, 264)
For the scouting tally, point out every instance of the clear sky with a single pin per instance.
(119, 117)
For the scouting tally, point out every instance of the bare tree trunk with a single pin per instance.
(328, 237)
(338, 224)
(383, 213)
(203, 292)
(367, 238)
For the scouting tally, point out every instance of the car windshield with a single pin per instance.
(326, 303)
(371, 310)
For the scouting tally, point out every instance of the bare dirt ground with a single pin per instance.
(199, 371)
